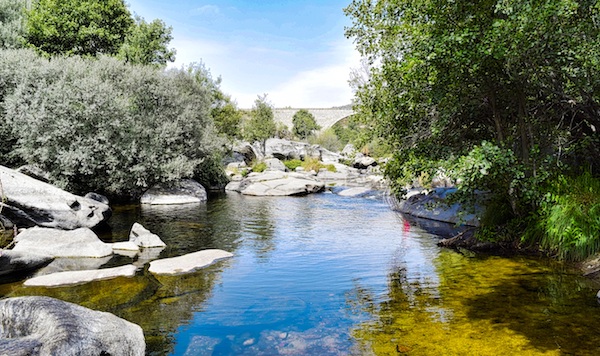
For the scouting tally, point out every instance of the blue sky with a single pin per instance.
(295, 51)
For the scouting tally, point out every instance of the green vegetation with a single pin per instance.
(328, 140)
(12, 23)
(309, 164)
(503, 96)
(80, 27)
(304, 124)
(146, 43)
(570, 217)
(90, 101)
(260, 126)
(104, 125)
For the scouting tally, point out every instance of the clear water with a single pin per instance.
(329, 275)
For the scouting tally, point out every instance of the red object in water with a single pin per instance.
(406, 226)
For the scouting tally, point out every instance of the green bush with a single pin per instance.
(327, 139)
(292, 164)
(570, 217)
(104, 125)
(259, 167)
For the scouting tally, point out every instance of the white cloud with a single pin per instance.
(207, 10)
(325, 86)
(248, 71)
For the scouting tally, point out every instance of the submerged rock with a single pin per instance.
(187, 263)
(80, 277)
(47, 326)
(31, 202)
(81, 242)
(186, 191)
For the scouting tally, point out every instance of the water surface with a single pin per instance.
(330, 275)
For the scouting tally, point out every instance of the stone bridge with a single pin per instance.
(324, 117)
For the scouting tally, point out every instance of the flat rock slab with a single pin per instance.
(80, 277)
(188, 263)
(81, 242)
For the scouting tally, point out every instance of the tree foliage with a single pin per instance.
(261, 125)
(147, 43)
(104, 125)
(12, 23)
(304, 124)
(519, 76)
(81, 27)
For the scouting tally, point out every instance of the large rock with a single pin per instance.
(14, 264)
(81, 242)
(47, 326)
(80, 277)
(278, 184)
(246, 152)
(433, 206)
(284, 149)
(187, 263)
(31, 202)
(274, 164)
(142, 237)
(181, 192)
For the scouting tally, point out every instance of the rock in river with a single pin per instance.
(48, 326)
(274, 183)
(188, 263)
(82, 242)
(15, 264)
(80, 277)
(31, 202)
(142, 237)
(186, 191)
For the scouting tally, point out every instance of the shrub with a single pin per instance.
(107, 126)
(570, 217)
(292, 164)
(259, 167)
(328, 140)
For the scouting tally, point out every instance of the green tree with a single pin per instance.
(227, 117)
(517, 75)
(82, 27)
(147, 43)
(261, 125)
(12, 23)
(304, 124)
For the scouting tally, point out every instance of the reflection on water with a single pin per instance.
(329, 275)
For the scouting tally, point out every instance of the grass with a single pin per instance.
(569, 222)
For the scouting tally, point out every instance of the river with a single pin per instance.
(332, 275)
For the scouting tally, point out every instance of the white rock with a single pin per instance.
(80, 277)
(81, 242)
(186, 191)
(125, 245)
(354, 192)
(274, 183)
(140, 236)
(187, 263)
(30, 202)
